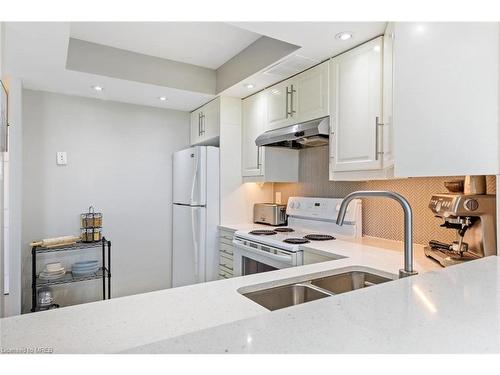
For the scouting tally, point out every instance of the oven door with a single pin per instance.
(250, 257)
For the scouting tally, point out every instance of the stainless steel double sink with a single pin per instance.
(310, 290)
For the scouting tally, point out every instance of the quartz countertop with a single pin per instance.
(453, 310)
(245, 226)
(125, 323)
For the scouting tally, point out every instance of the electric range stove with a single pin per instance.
(309, 220)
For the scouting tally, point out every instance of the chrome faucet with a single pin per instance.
(408, 241)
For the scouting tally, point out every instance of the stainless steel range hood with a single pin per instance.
(306, 134)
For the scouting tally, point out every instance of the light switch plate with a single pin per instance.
(61, 158)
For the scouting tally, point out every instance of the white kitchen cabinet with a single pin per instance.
(446, 98)
(210, 116)
(361, 112)
(226, 253)
(301, 98)
(387, 99)
(205, 124)
(310, 96)
(254, 111)
(279, 112)
(263, 164)
(356, 103)
(195, 126)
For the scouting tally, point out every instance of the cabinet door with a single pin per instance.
(278, 106)
(387, 131)
(446, 98)
(195, 126)
(310, 97)
(210, 120)
(253, 119)
(356, 108)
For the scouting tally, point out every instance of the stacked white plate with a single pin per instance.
(52, 271)
(85, 268)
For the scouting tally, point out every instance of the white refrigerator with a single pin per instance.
(195, 215)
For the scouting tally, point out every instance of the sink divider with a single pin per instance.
(317, 288)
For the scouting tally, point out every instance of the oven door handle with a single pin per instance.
(281, 258)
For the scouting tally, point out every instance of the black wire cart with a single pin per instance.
(103, 273)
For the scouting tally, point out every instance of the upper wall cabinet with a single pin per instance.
(279, 110)
(310, 95)
(446, 98)
(253, 119)
(205, 124)
(263, 164)
(301, 98)
(357, 122)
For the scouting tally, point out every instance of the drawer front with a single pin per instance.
(226, 234)
(225, 241)
(223, 274)
(227, 249)
(226, 262)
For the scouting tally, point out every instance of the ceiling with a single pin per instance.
(207, 44)
(317, 41)
(37, 52)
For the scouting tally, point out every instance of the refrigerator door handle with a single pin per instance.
(195, 177)
(195, 227)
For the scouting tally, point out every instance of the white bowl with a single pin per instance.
(51, 276)
(54, 267)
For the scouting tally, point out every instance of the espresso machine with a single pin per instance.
(473, 217)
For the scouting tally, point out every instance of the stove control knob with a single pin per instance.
(471, 205)
(297, 205)
(292, 204)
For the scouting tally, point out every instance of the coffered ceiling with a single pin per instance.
(206, 44)
(188, 63)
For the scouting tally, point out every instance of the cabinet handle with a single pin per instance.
(286, 103)
(378, 124)
(199, 124)
(202, 123)
(292, 111)
(258, 157)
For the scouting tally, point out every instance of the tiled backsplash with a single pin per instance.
(381, 217)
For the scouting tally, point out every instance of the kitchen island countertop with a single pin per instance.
(131, 322)
(454, 310)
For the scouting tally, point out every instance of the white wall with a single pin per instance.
(2, 308)
(13, 197)
(10, 197)
(119, 159)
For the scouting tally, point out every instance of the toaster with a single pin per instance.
(269, 213)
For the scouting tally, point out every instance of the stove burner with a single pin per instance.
(296, 241)
(283, 229)
(319, 237)
(263, 232)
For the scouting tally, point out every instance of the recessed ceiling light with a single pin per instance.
(376, 48)
(249, 85)
(162, 98)
(97, 88)
(344, 35)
